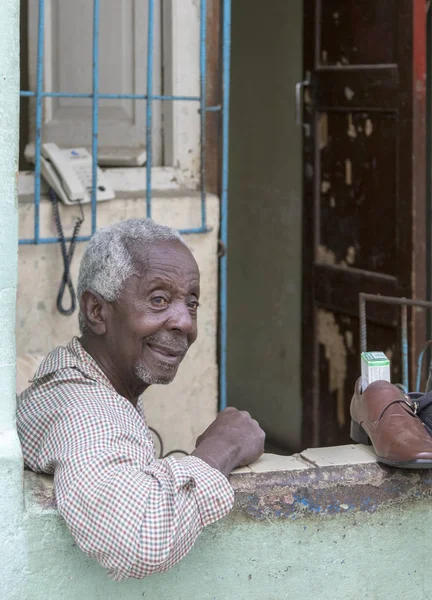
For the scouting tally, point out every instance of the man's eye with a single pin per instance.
(159, 301)
(193, 304)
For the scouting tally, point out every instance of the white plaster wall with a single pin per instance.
(182, 410)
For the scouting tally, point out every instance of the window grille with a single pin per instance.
(39, 94)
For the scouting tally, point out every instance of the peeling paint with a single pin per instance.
(330, 337)
(325, 186)
(351, 255)
(349, 339)
(349, 93)
(368, 127)
(352, 133)
(325, 256)
(323, 128)
(348, 171)
(328, 491)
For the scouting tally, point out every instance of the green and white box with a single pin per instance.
(375, 366)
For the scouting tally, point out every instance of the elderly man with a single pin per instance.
(82, 419)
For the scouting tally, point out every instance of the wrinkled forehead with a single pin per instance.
(149, 254)
(164, 260)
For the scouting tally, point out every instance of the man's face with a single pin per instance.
(153, 323)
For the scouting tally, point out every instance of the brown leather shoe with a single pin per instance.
(386, 417)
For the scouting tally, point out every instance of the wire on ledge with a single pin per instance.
(161, 452)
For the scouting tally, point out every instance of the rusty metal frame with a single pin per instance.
(403, 303)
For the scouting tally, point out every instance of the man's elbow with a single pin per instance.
(159, 555)
(147, 564)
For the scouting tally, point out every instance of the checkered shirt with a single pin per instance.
(135, 514)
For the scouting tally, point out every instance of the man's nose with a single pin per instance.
(182, 320)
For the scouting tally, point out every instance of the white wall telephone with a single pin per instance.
(69, 173)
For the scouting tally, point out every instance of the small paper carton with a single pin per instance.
(375, 366)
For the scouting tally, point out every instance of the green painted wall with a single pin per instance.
(356, 556)
(264, 250)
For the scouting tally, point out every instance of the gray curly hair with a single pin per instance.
(108, 262)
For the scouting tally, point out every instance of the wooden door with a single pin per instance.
(364, 193)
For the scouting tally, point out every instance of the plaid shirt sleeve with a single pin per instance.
(134, 514)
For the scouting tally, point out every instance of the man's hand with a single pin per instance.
(233, 440)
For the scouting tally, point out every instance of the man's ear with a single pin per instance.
(95, 310)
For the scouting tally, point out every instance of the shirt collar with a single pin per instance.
(73, 356)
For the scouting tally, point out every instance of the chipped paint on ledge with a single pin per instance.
(327, 491)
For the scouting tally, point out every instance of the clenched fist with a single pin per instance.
(233, 440)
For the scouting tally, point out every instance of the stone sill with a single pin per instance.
(127, 183)
(317, 482)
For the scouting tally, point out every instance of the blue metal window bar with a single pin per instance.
(39, 94)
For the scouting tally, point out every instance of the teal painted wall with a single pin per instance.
(381, 555)
(349, 532)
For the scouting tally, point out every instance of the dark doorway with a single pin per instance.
(364, 193)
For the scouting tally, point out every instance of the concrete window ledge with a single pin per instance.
(328, 523)
(325, 482)
(318, 481)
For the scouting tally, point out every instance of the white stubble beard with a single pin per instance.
(142, 373)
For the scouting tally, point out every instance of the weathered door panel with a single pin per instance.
(364, 196)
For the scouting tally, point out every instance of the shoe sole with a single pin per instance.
(412, 464)
(359, 436)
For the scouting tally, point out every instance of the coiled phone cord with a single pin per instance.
(161, 446)
(66, 255)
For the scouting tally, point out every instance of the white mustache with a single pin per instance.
(167, 341)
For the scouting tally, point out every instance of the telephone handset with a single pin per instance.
(69, 174)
